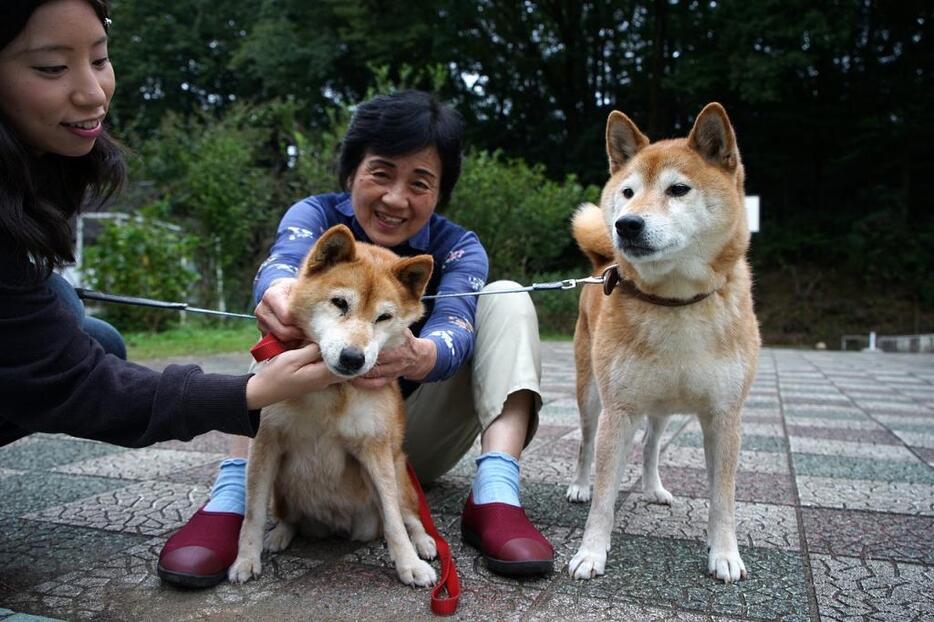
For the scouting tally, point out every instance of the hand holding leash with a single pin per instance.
(273, 314)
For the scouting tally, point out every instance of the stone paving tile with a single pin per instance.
(144, 464)
(40, 453)
(34, 491)
(751, 442)
(906, 423)
(546, 436)
(869, 495)
(914, 472)
(560, 413)
(750, 486)
(658, 572)
(823, 412)
(862, 425)
(147, 508)
(125, 587)
(916, 439)
(757, 524)
(878, 437)
(764, 416)
(30, 551)
(203, 475)
(607, 610)
(824, 447)
(925, 454)
(758, 461)
(549, 470)
(811, 400)
(657, 566)
(485, 595)
(849, 588)
(762, 403)
(353, 592)
(211, 443)
(9, 472)
(564, 449)
(894, 408)
(869, 535)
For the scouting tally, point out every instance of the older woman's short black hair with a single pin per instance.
(402, 123)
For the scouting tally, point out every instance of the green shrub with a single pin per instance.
(521, 216)
(557, 309)
(222, 178)
(140, 258)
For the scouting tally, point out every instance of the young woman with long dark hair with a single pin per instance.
(56, 83)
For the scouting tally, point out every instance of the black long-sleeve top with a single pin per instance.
(55, 378)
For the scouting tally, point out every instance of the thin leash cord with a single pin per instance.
(89, 294)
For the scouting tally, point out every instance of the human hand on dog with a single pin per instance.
(273, 314)
(291, 374)
(413, 360)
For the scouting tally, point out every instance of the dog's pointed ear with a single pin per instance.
(713, 137)
(413, 273)
(335, 246)
(623, 140)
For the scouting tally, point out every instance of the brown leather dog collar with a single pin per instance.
(612, 279)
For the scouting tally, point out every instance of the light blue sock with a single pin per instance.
(497, 479)
(229, 492)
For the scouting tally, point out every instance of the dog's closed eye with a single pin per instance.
(341, 304)
(677, 190)
(384, 317)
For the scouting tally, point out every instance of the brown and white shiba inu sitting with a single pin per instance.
(333, 459)
(678, 334)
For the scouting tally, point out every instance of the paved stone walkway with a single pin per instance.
(835, 512)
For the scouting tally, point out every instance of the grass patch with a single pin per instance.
(193, 338)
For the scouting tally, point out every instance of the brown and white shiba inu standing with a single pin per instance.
(678, 335)
(333, 459)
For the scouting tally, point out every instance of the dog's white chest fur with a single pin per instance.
(684, 369)
(323, 478)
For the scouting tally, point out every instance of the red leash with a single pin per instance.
(440, 605)
(268, 347)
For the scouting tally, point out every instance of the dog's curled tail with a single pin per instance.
(589, 230)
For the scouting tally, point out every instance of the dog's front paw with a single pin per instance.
(658, 495)
(726, 565)
(578, 494)
(246, 567)
(425, 545)
(587, 564)
(279, 537)
(418, 573)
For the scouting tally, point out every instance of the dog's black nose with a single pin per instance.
(352, 359)
(629, 227)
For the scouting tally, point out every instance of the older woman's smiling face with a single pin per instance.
(393, 197)
(56, 80)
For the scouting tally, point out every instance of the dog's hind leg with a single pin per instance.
(721, 450)
(281, 535)
(652, 486)
(588, 404)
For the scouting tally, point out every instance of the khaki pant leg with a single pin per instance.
(444, 418)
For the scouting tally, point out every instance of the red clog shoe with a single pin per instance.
(199, 554)
(510, 543)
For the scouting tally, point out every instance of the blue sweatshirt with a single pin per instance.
(461, 265)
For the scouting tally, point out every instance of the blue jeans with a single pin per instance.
(99, 330)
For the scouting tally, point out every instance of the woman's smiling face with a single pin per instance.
(56, 80)
(393, 197)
